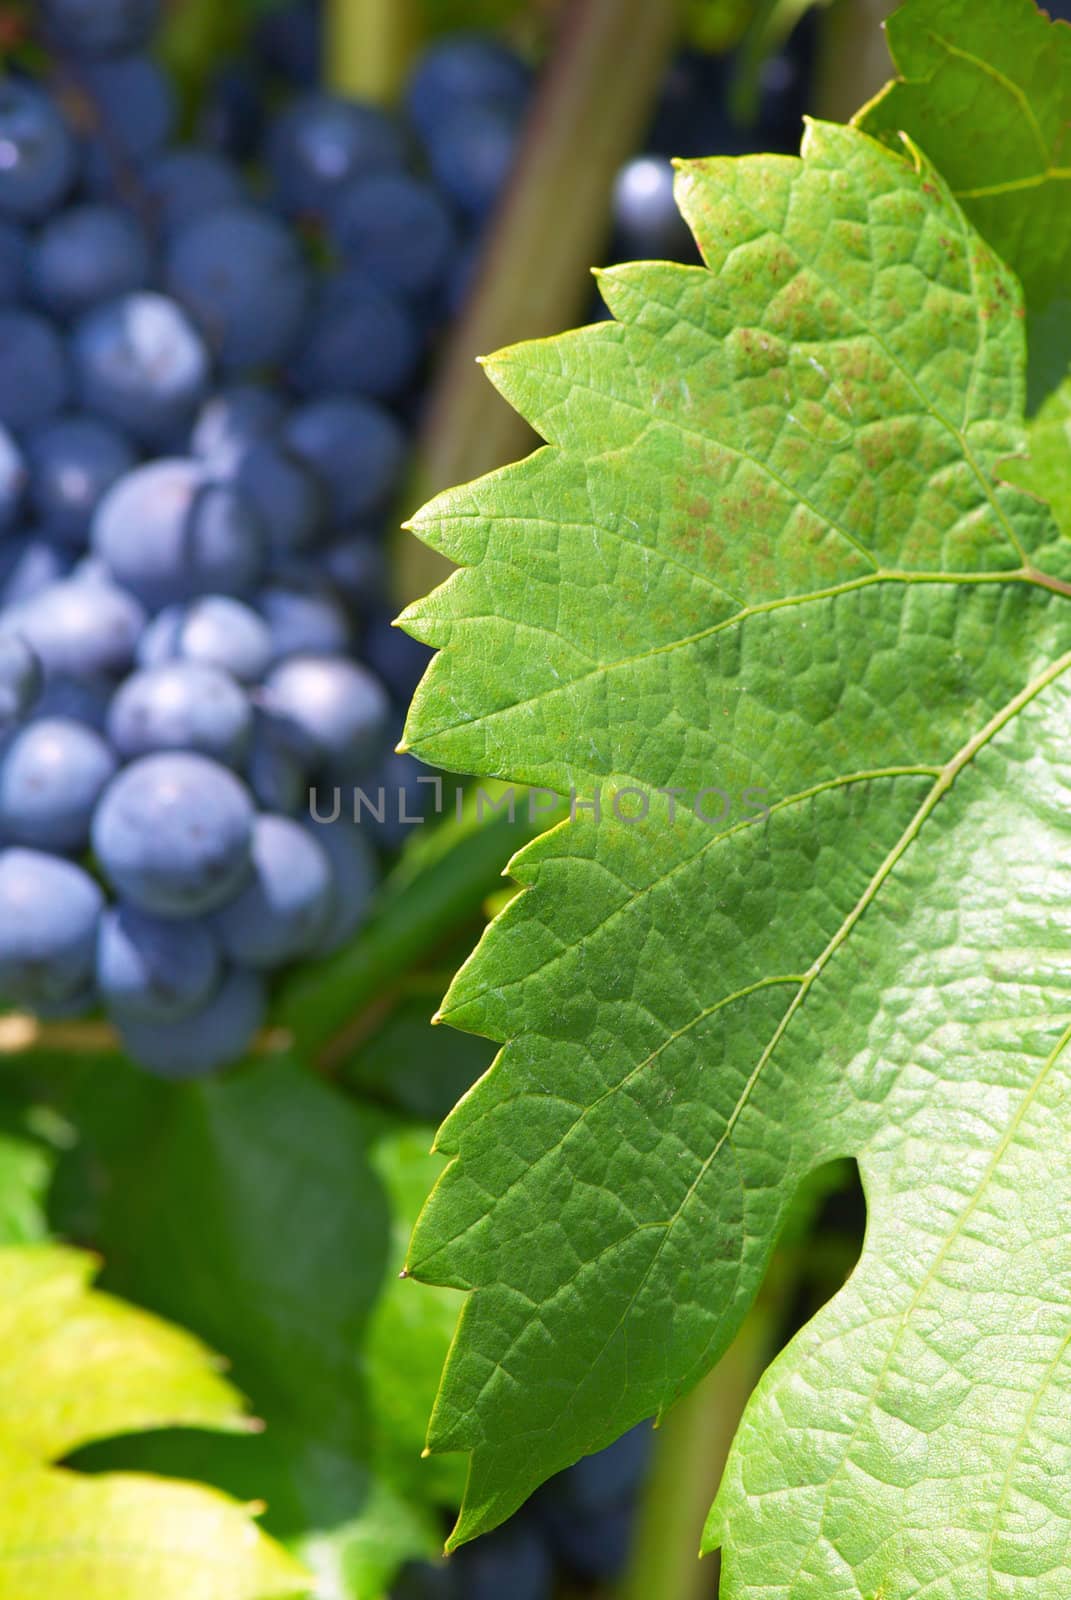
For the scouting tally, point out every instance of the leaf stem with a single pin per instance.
(368, 45)
(589, 114)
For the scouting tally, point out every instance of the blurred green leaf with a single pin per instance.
(270, 1213)
(75, 1366)
(1047, 471)
(992, 115)
(26, 1164)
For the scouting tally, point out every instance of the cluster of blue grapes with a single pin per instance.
(206, 371)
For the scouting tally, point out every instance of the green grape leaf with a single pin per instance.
(77, 1365)
(270, 1213)
(767, 561)
(986, 91)
(1046, 471)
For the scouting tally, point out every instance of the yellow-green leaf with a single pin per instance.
(75, 1366)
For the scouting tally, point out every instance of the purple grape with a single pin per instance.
(334, 712)
(239, 273)
(49, 911)
(283, 911)
(152, 970)
(141, 363)
(205, 1040)
(39, 154)
(323, 141)
(74, 461)
(173, 834)
(168, 533)
(35, 373)
(52, 774)
(355, 447)
(181, 705)
(87, 254)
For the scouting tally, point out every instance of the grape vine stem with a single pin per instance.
(368, 46)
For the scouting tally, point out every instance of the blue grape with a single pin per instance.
(49, 911)
(13, 478)
(472, 156)
(73, 462)
(361, 338)
(356, 448)
(160, 640)
(334, 712)
(35, 375)
(610, 1477)
(465, 70)
(395, 228)
(87, 254)
(594, 1547)
(356, 564)
(21, 679)
(321, 142)
(231, 118)
(232, 420)
(87, 28)
(304, 619)
(29, 564)
(79, 629)
(173, 834)
(513, 1561)
(276, 775)
(39, 153)
(153, 970)
(205, 1040)
(646, 217)
(282, 912)
(183, 184)
(168, 533)
(52, 774)
(353, 871)
(14, 262)
(134, 104)
(181, 705)
(141, 363)
(240, 274)
(784, 90)
(405, 800)
(216, 631)
(398, 660)
(290, 498)
(692, 117)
